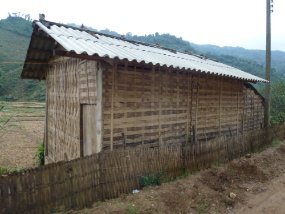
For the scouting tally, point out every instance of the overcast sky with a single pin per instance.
(218, 22)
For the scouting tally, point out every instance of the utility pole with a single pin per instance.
(269, 6)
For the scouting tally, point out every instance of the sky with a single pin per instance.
(218, 22)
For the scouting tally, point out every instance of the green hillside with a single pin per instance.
(14, 40)
(278, 57)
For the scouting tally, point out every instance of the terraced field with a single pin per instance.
(21, 131)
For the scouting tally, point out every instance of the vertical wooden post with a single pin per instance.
(81, 130)
(159, 105)
(191, 104)
(220, 104)
(152, 105)
(197, 106)
(99, 122)
(237, 119)
(46, 118)
(114, 70)
(125, 112)
(188, 110)
(177, 101)
(244, 92)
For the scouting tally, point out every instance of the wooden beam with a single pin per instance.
(159, 106)
(114, 70)
(188, 110)
(80, 56)
(46, 121)
(81, 130)
(99, 108)
(36, 61)
(197, 106)
(152, 93)
(125, 133)
(38, 50)
(237, 119)
(191, 104)
(43, 38)
(177, 100)
(244, 91)
(220, 103)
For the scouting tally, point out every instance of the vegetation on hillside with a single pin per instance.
(15, 33)
(164, 40)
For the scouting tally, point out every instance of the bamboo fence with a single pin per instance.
(80, 182)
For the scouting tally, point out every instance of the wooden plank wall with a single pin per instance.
(150, 105)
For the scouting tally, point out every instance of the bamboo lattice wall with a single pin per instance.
(144, 105)
(70, 82)
(148, 105)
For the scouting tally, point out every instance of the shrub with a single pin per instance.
(150, 180)
(41, 155)
(4, 171)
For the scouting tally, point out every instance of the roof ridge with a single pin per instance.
(131, 41)
(48, 23)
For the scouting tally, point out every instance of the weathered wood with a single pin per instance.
(89, 129)
(220, 104)
(99, 109)
(188, 106)
(46, 125)
(114, 70)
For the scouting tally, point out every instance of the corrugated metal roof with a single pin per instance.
(84, 42)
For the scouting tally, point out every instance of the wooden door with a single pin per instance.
(89, 129)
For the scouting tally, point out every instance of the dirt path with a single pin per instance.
(253, 184)
(270, 200)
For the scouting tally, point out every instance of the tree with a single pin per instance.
(278, 102)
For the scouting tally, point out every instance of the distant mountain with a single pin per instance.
(277, 57)
(15, 35)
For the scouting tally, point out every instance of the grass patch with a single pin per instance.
(157, 179)
(276, 143)
(151, 180)
(5, 171)
(40, 155)
(131, 209)
(203, 207)
(184, 174)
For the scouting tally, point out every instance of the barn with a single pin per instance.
(106, 93)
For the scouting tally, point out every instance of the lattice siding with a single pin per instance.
(63, 110)
(145, 105)
(163, 106)
(254, 110)
(87, 81)
(70, 82)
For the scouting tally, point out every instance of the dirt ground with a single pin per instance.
(254, 184)
(21, 131)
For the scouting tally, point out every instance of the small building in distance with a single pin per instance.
(105, 92)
